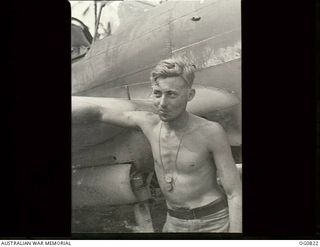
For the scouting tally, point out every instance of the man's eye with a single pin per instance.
(157, 94)
(172, 94)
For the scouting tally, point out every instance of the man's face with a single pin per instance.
(170, 96)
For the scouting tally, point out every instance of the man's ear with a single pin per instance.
(192, 93)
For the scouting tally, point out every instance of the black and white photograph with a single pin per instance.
(160, 120)
(156, 116)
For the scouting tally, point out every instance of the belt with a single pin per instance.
(197, 213)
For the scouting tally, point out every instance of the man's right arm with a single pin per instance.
(84, 113)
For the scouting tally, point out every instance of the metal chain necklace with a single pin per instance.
(168, 178)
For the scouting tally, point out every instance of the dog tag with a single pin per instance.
(168, 186)
(168, 178)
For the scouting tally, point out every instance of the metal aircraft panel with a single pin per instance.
(90, 185)
(114, 61)
(215, 19)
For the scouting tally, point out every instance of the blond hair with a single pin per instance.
(173, 67)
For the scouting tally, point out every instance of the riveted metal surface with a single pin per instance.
(113, 59)
(209, 99)
(126, 147)
(217, 17)
(108, 185)
(140, 151)
(82, 73)
(225, 76)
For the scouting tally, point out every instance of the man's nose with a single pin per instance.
(163, 101)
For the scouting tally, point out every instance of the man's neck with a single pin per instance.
(177, 124)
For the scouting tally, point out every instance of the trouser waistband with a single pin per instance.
(197, 213)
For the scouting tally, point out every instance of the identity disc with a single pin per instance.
(168, 178)
(168, 186)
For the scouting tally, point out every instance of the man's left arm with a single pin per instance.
(228, 174)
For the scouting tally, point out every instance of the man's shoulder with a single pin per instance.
(206, 125)
(208, 129)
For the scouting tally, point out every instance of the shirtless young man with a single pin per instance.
(189, 153)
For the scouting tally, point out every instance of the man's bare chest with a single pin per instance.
(181, 152)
